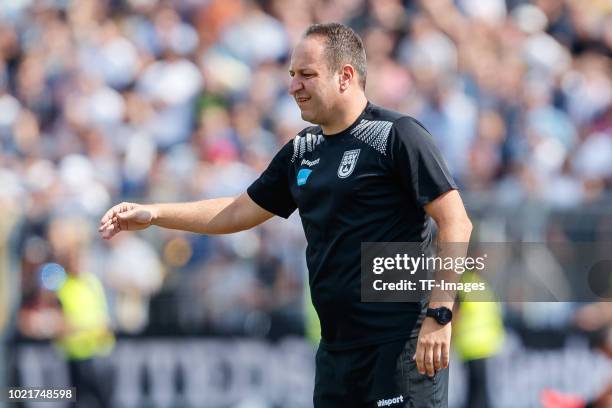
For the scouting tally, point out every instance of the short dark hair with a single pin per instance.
(343, 46)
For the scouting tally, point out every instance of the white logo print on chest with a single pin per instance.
(348, 162)
(310, 163)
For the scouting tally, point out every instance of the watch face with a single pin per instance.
(444, 315)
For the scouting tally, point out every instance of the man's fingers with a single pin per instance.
(420, 357)
(445, 355)
(429, 365)
(110, 232)
(107, 223)
(433, 348)
(424, 358)
(110, 228)
(110, 214)
(437, 357)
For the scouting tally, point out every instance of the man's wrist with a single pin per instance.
(155, 213)
(437, 304)
(442, 315)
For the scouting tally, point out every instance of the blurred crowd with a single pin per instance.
(104, 101)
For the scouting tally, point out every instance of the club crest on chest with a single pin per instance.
(348, 162)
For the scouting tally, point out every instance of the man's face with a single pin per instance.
(313, 86)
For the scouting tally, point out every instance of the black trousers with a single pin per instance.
(377, 376)
(93, 380)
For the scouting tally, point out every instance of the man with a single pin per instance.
(364, 174)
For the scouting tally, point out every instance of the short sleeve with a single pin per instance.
(417, 161)
(271, 190)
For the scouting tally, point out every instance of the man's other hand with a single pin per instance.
(126, 217)
(433, 347)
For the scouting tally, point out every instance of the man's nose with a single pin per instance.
(295, 86)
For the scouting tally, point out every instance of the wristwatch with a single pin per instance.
(442, 315)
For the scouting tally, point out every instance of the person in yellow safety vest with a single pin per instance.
(478, 333)
(86, 339)
(86, 317)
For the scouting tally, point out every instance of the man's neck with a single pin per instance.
(346, 117)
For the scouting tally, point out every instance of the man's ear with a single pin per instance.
(347, 76)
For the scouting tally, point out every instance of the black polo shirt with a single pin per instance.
(368, 183)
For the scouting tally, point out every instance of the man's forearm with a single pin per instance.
(214, 216)
(453, 241)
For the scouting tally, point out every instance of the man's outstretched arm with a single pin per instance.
(215, 216)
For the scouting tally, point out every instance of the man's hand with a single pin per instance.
(126, 217)
(433, 347)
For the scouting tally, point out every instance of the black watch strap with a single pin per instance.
(442, 315)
